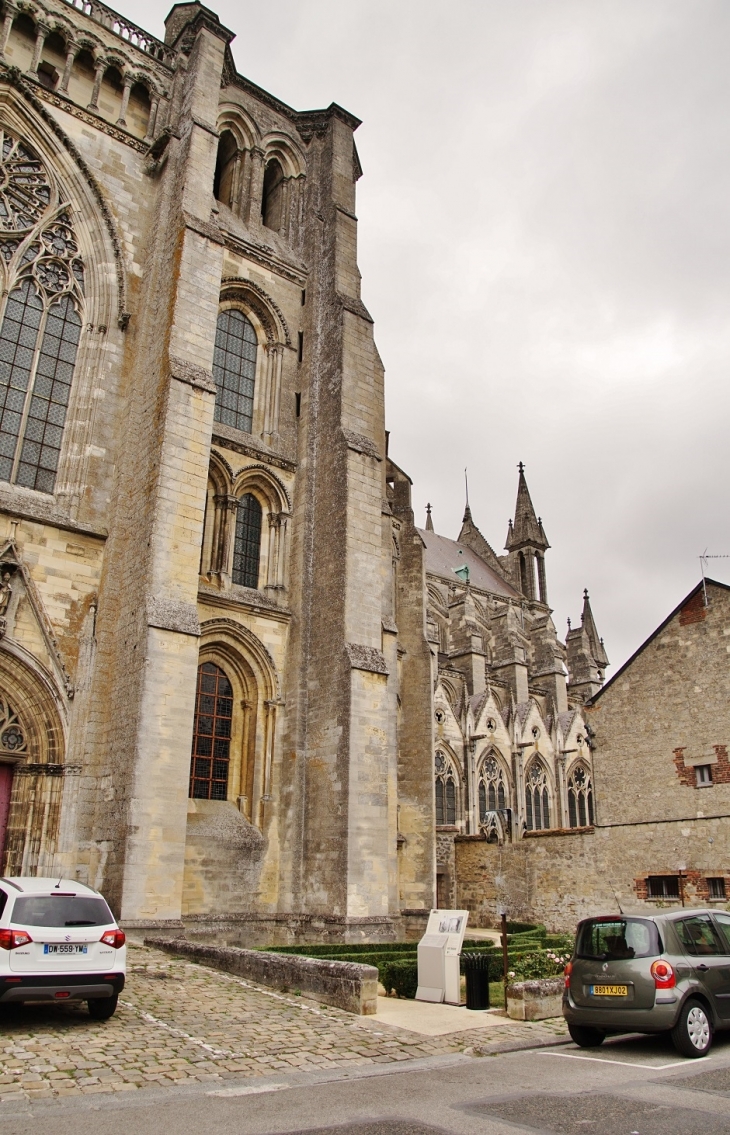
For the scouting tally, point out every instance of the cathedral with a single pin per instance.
(238, 685)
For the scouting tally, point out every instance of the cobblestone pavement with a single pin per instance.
(180, 1023)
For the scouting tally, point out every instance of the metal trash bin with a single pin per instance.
(476, 969)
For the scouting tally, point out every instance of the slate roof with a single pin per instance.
(444, 556)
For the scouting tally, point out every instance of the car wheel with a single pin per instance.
(586, 1037)
(102, 1008)
(692, 1034)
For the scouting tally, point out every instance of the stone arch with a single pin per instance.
(447, 785)
(280, 147)
(38, 766)
(260, 480)
(252, 299)
(240, 124)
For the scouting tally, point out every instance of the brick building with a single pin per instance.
(658, 734)
(199, 655)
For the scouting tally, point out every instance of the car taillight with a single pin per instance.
(113, 938)
(567, 971)
(663, 974)
(11, 939)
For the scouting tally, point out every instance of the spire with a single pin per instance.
(588, 624)
(527, 530)
(429, 522)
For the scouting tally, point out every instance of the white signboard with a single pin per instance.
(438, 956)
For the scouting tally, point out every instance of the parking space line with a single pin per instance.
(626, 1063)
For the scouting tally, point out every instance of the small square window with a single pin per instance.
(703, 775)
(663, 886)
(716, 888)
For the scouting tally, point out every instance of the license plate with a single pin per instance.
(610, 990)
(64, 949)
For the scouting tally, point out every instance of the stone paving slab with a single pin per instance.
(180, 1023)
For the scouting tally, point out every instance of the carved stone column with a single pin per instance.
(11, 11)
(272, 394)
(154, 108)
(227, 507)
(99, 69)
(256, 188)
(71, 53)
(42, 31)
(128, 83)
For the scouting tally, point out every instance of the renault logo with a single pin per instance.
(604, 967)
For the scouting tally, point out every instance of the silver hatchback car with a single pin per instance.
(666, 973)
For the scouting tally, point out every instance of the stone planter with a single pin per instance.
(535, 1000)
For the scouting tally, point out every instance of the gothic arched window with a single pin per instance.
(580, 798)
(493, 788)
(248, 542)
(41, 325)
(445, 790)
(234, 370)
(537, 798)
(225, 168)
(211, 734)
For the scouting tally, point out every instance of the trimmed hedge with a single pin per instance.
(528, 945)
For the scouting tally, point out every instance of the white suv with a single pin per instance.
(59, 942)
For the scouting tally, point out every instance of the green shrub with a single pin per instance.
(519, 927)
(563, 943)
(400, 977)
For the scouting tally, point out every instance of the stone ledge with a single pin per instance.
(345, 985)
(173, 615)
(366, 658)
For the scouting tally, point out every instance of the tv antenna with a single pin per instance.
(704, 557)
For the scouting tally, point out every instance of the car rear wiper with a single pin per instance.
(80, 922)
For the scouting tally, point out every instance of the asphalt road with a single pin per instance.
(630, 1086)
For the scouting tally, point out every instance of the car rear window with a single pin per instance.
(617, 939)
(61, 910)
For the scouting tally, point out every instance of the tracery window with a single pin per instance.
(537, 798)
(493, 788)
(12, 734)
(43, 280)
(247, 543)
(211, 734)
(234, 370)
(580, 798)
(445, 790)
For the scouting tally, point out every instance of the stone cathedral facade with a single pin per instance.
(237, 683)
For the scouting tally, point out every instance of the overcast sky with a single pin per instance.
(544, 245)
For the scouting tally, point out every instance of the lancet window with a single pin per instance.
(493, 788)
(580, 798)
(43, 280)
(537, 798)
(234, 370)
(247, 544)
(446, 790)
(211, 734)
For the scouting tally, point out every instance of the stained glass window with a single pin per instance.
(234, 370)
(211, 734)
(445, 790)
(493, 789)
(248, 542)
(537, 798)
(580, 798)
(41, 324)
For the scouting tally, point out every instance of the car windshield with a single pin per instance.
(616, 939)
(61, 910)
